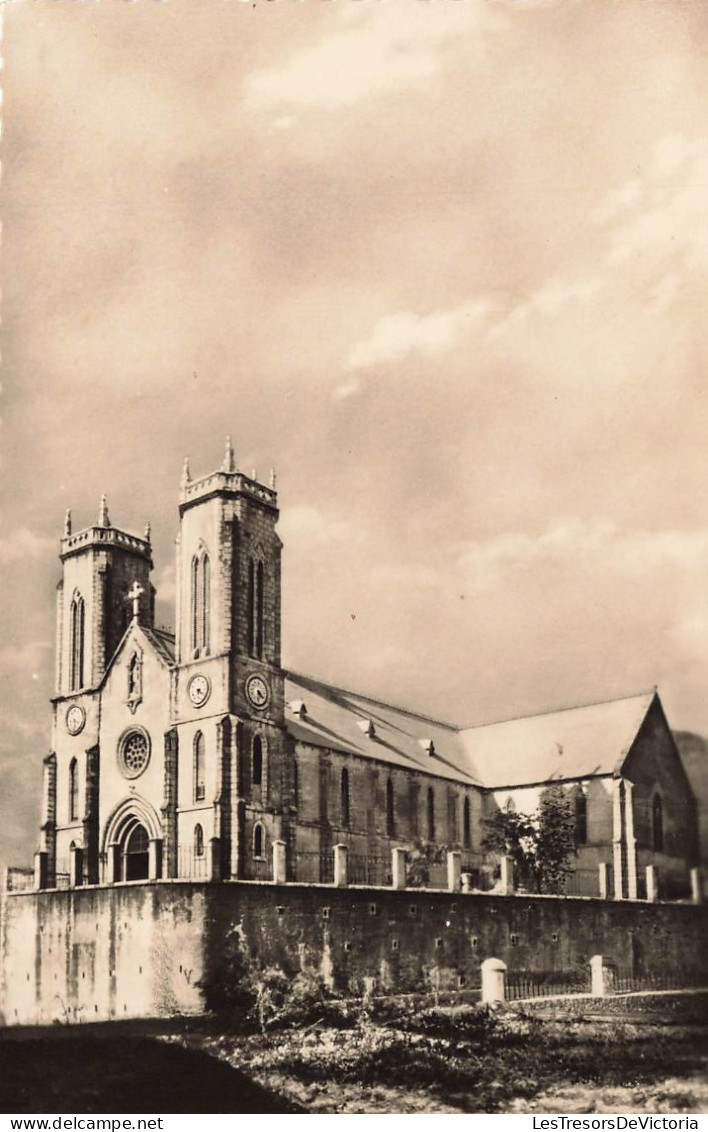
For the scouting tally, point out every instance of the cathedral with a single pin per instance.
(197, 756)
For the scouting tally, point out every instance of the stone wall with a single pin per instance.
(139, 950)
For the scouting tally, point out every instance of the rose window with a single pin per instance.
(134, 753)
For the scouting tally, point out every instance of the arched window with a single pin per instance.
(199, 768)
(581, 818)
(466, 824)
(194, 588)
(201, 599)
(257, 762)
(510, 805)
(431, 814)
(198, 841)
(77, 627)
(258, 840)
(73, 790)
(134, 676)
(390, 814)
(251, 607)
(206, 603)
(296, 785)
(657, 824)
(259, 610)
(345, 797)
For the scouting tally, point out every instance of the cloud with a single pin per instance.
(307, 524)
(22, 543)
(628, 553)
(399, 335)
(375, 49)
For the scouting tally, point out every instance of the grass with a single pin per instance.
(652, 1057)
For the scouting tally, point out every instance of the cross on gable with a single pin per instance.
(134, 594)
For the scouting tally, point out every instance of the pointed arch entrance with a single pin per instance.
(132, 833)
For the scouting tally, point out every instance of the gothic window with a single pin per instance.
(200, 586)
(259, 610)
(510, 805)
(73, 790)
(466, 824)
(452, 817)
(390, 815)
(345, 797)
(431, 814)
(251, 608)
(194, 587)
(258, 840)
(199, 768)
(257, 762)
(198, 841)
(77, 626)
(657, 824)
(581, 818)
(134, 752)
(133, 676)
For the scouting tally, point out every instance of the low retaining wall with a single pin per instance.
(141, 949)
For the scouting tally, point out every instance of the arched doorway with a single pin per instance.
(135, 854)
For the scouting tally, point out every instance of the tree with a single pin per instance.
(541, 845)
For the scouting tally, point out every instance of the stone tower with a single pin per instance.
(228, 681)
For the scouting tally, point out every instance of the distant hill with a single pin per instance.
(694, 752)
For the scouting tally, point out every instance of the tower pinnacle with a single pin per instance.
(103, 517)
(229, 464)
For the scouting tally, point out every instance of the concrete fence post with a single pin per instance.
(41, 870)
(154, 858)
(278, 862)
(213, 859)
(113, 867)
(506, 880)
(696, 886)
(76, 866)
(601, 977)
(454, 869)
(493, 980)
(652, 883)
(605, 880)
(341, 862)
(466, 882)
(398, 868)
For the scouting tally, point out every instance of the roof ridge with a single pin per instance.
(559, 711)
(289, 672)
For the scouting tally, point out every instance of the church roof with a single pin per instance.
(576, 742)
(163, 642)
(326, 716)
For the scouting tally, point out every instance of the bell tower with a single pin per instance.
(100, 563)
(228, 593)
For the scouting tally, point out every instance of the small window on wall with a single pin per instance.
(390, 810)
(657, 824)
(431, 814)
(581, 818)
(198, 841)
(73, 790)
(466, 824)
(258, 840)
(257, 762)
(199, 765)
(345, 797)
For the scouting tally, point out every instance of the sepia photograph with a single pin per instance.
(354, 558)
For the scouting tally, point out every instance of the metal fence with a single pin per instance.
(363, 869)
(544, 984)
(625, 980)
(191, 865)
(584, 882)
(314, 867)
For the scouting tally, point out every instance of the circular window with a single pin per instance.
(134, 753)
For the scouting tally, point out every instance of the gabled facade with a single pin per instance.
(191, 755)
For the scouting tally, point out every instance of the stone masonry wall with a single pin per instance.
(139, 950)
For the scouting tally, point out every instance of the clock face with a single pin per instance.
(257, 691)
(199, 689)
(75, 719)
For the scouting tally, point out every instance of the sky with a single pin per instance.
(443, 264)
